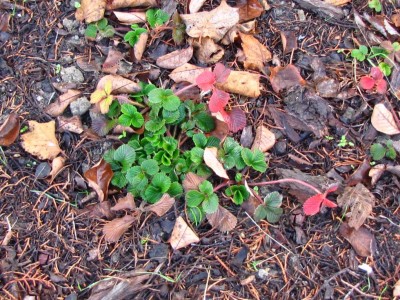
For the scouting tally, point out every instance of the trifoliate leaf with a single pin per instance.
(101, 24)
(200, 140)
(255, 159)
(377, 151)
(204, 121)
(206, 188)
(91, 31)
(273, 199)
(156, 17)
(162, 182)
(210, 205)
(126, 155)
(194, 198)
(175, 189)
(150, 166)
(154, 125)
(128, 109)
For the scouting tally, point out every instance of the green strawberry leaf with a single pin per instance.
(150, 166)
(194, 198)
(210, 205)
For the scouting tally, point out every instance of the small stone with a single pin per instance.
(348, 115)
(80, 106)
(281, 147)
(247, 137)
(70, 25)
(263, 273)
(72, 75)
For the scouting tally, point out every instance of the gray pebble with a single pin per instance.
(80, 106)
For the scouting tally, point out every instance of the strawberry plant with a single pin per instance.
(270, 209)
(103, 97)
(374, 82)
(100, 27)
(156, 17)
(238, 193)
(379, 151)
(132, 37)
(130, 116)
(202, 201)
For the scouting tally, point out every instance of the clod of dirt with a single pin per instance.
(80, 106)
(71, 75)
(159, 252)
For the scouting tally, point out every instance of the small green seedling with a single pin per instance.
(130, 116)
(156, 17)
(329, 138)
(100, 27)
(57, 69)
(132, 37)
(238, 193)
(360, 54)
(375, 4)
(201, 202)
(271, 209)
(344, 142)
(379, 151)
(77, 4)
(254, 159)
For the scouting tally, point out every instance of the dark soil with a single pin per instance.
(57, 253)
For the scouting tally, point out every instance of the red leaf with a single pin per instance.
(206, 80)
(367, 82)
(236, 120)
(331, 189)
(376, 73)
(313, 204)
(381, 86)
(221, 73)
(219, 99)
(328, 203)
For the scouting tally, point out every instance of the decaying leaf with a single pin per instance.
(87, 64)
(56, 166)
(182, 235)
(99, 210)
(360, 201)
(140, 46)
(210, 159)
(175, 59)
(91, 10)
(256, 53)
(127, 202)
(195, 5)
(111, 64)
(221, 130)
(285, 77)
(376, 172)
(129, 18)
(207, 51)
(191, 181)
(242, 83)
(235, 118)
(99, 177)
(120, 85)
(41, 141)
(249, 9)
(72, 124)
(362, 240)
(111, 5)
(264, 139)
(396, 289)
(222, 219)
(383, 120)
(289, 41)
(9, 130)
(162, 206)
(213, 24)
(187, 72)
(57, 107)
(117, 227)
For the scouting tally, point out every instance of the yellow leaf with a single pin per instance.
(108, 87)
(97, 96)
(105, 104)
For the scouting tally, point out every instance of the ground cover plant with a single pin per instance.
(219, 150)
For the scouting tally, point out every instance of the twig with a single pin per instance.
(360, 291)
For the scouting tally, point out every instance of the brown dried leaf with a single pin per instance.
(195, 5)
(111, 5)
(4, 21)
(116, 228)
(73, 124)
(256, 53)
(210, 159)
(249, 9)
(376, 172)
(264, 139)
(213, 24)
(222, 219)
(182, 235)
(57, 107)
(285, 77)
(360, 174)
(221, 130)
(396, 289)
(242, 83)
(191, 181)
(99, 177)
(360, 201)
(120, 85)
(140, 46)
(162, 206)
(127, 202)
(383, 120)
(289, 41)
(111, 64)
(99, 210)
(129, 18)
(175, 59)
(88, 64)
(396, 19)
(9, 130)
(187, 72)
(337, 2)
(208, 52)
(91, 10)
(56, 166)
(362, 240)
(41, 141)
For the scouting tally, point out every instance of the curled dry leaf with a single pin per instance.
(111, 64)
(129, 18)
(222, 219)
(213, 24)
(56, 166)
(195, 5)
(360, 201)
(360, 174)
(117, 227)
(162, 206)
(57, 107)
(289, 41)
(191, 182)
(175, 59)
(242, 83)
(256, 53)
(99, 177)
(9, 130)
(383, 120)
(91, 10)
(87, 64)
(207, 51)
(111, 5)
(100, 210)
(72, 124)
(264, 139)
(376, 172)
(210, 159)
(249, 9)
(187, 72)
(41, 141)
(362, 240)
(120, 85)
(285, 77)
(182, 235)
(127, 202)
(140, 46)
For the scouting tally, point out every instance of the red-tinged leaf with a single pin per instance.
(236, 119)
(376, 73)
(331, 189)
(221, 73)
(367, 82)
(381, 86)
(206, 80)
(328, 203)
(313, 204)
(219, 99)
